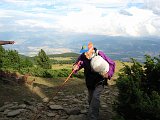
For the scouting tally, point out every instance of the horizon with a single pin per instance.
(57, 26)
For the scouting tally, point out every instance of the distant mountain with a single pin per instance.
(124, 48)
(70, 54)
(116, 47)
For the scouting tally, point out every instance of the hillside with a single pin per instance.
(24, 100)
(64, 55)
(122, 48)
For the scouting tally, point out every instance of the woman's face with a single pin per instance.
(89, 54)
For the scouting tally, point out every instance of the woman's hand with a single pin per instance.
(75, 67)
(104, 74)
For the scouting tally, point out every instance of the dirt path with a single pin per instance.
(72, 106)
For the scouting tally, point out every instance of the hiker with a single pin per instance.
(6, 42)
(94, 81)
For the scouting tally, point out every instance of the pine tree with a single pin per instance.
(139, 90)
(42, 60)
(11, 60)
(2, 52)
(25, 63)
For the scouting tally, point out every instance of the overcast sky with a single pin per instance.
(27, 21)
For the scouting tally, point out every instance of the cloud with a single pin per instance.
(28, 2)
(34, 23)
(4, 15)
(100, 17)
(91, 20)
(19, 21)
(153, 5)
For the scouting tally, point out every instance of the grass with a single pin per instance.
(119, 65)
(61, 58)
(46, 87)
(62, 66)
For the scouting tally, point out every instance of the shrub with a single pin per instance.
(43, 60)
(139, 90)
(49, 73)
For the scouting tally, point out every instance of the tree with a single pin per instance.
(42, 60)
(11, 60)
(25, 63)
(139, 90)
(2, 53)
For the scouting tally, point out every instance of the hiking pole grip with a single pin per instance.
(77, 66)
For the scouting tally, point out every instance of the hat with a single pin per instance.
(86, 47)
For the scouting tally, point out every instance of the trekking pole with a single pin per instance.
(60, 87)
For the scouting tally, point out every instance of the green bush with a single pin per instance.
(139, 90)
(49, 73)
(79, 75)
(43, 60)
(10, 60)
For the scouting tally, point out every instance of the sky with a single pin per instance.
(53, 24)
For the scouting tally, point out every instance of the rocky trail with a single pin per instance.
(61, 107)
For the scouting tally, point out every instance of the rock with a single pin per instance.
(5, 103)
(40, 105)
(14, 112)
(84, 99)
(86, 92)
(51, 103)
(64, 117)
(15, 103)
(22, 106)
(55, 97)
(70, 96)
(83, 111)
(51, 114)
(6, 112)
(5, 107)
(65, 99)
(76, 100)
(68, 107)
(86, 106)
(65, 104)
(27, 102)
(14, 107)
(57, 117)
(104, 106)
(77, 117)
(45, 100)
(55, 107)
(106, 92)
(73, 111)
(115, 93)
(32, 108)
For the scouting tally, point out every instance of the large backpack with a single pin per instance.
(98, 64)
(109, 62)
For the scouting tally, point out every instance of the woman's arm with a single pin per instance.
(78, 64)
(111, 64)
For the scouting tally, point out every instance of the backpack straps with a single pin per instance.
(96, 51)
